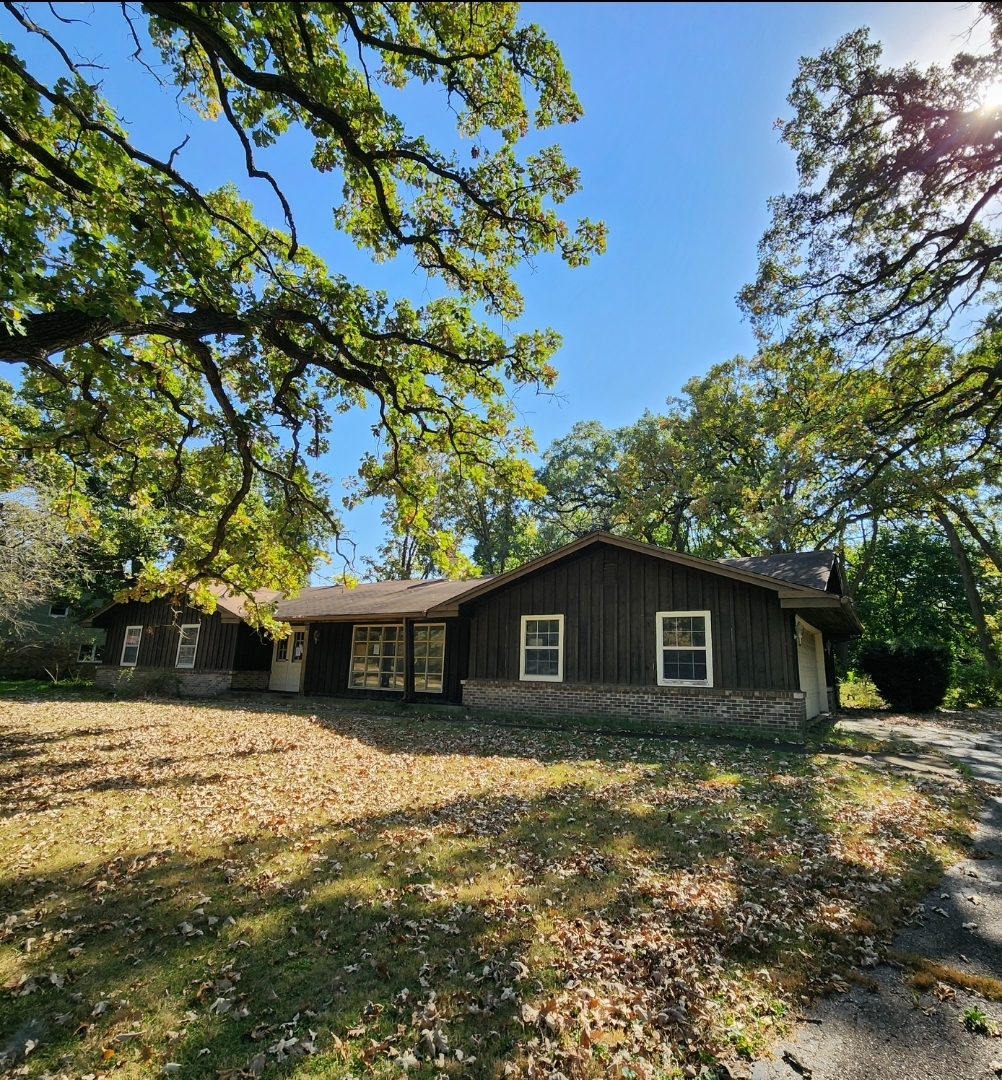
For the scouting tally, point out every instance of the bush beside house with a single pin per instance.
(975, 685)
(911, 676)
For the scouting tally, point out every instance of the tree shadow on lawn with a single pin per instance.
(23, 758)
(502, 736)
(15, 743)
(666, 895)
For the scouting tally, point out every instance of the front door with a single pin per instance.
(287, 661)
(810, 658)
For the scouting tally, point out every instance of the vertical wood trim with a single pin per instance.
(409, 660)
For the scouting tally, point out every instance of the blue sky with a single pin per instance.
(678, 155)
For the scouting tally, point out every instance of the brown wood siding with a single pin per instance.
(329, 655)
(253, 650)
(161, 630)
(609, 597)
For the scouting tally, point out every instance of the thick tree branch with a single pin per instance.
(48, 333)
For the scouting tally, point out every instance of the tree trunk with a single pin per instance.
(869, 551)
(971, 588)
(982, 541)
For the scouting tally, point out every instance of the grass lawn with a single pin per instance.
(244, 889)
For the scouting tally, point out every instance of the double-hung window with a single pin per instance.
(684, 649)
(130, 647)
(429, 657)
(89, 652)
(542, 648)
(187, 646)
(377, 658)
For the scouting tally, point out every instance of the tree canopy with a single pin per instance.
(196, 358)
(893, 232)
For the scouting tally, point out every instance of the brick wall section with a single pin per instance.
(250, 680)
(770, 713)
(185, 683)
(42, 660)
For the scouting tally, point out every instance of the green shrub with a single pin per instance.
(856, 691)
(912, 676)
(976, 1021)
(975, 685)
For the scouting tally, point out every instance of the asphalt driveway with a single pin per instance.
(977, 743)
(890, 1030)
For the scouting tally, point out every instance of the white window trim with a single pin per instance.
(64, 614)
(304, 630)
(125, 644)
(180, 644)
(559, 677)
(351, 658)
(659, 649)
(91, 657)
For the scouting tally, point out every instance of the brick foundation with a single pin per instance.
(769, 713)
(250, 680)
(173, 682)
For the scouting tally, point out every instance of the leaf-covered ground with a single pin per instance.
(247, 890)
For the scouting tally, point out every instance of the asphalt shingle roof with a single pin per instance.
(811, 569)
(380, 598)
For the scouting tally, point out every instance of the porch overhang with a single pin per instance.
(833, 615)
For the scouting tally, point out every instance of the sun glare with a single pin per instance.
(992, 97)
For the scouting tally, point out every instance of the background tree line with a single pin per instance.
(787, 451)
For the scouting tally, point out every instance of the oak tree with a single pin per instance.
(197, 357)
(892, 234)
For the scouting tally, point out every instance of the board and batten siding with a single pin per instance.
(609, 597)
(161, 624)
(328, 658)
(253, 650)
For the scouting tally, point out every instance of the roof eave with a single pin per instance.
(361, 616)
